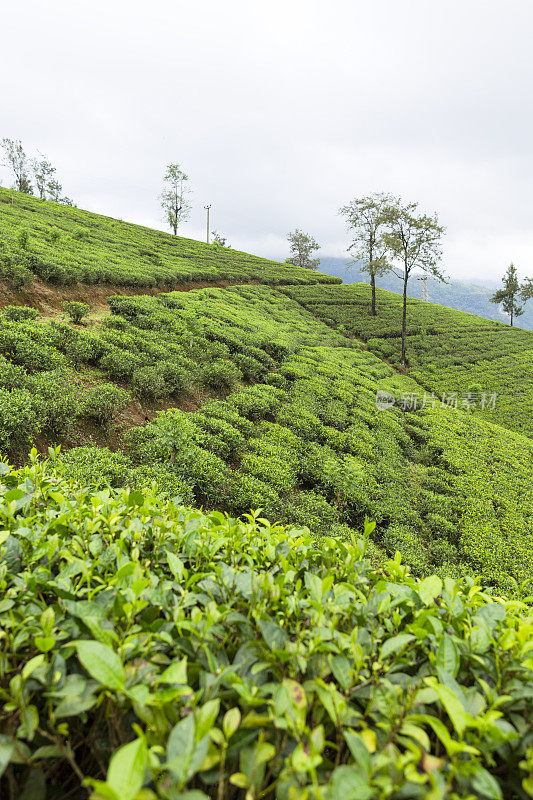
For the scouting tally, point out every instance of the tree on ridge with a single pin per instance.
(367, 219)
(508, 295)
(414, 240)
(16, 159)
(173, 197)
(302, 246)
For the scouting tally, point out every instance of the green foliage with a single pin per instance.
(19, 419)
(221, 375)
(239, 655)
(69, 245)
(58, 400)
(103, 401)
(23, 239)
(449, 351)
(20, 313)
(75, 310)
(509, 294)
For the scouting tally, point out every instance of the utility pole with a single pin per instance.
(207, 209)
(424, 287)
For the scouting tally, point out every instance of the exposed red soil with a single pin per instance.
(45, 296)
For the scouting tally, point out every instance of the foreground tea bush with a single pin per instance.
(149, 650)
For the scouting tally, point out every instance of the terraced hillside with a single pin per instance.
(286, 420)
(483, 367)
(216, 654)
(62, 245)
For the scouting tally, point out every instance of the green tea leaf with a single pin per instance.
(125, 774)
(486, 785)
(448, 658)
(102, 663)
(7, 745)
(429, 589)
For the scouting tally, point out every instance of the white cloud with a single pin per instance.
(282, 111)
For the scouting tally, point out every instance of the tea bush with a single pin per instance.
(480, 366)
(19, 313)
(66, 245)
(75, 310)
(150, 650)
(103, 401)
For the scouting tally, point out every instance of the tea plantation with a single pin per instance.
(364, 633)
(464, 358)
(63, 245)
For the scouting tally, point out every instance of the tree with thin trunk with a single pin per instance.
(302, 246)
(368, 219)
(526, 290)
(508, 295)
(16, 159)
(414, 241)
(173, 197)
(47, 184)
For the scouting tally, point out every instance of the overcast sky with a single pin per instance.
(281, 111)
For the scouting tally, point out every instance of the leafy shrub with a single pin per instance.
(75, 309)
(312, 510)
(266, 656)
(251, 368)
(27, 348)
(149, 382)
(58, 400)
(246, 491)
(177, 377)
(95, 467)
(23, 239)
(221, 375)
(258, 401)
(85, 349)
(11, 376)
(19, 419)
(119, 364)
(81, 234)
(54, 235)
(275, 379)
(20, 313)
(164, 482)
(103, 401)
(234, 440)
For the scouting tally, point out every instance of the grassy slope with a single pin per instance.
(68, 245)
(448, 351)
(300, 435)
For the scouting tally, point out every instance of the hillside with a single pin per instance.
(473, 362)
(61, 245)
(348, 637)
(471, 296)
(278, 411)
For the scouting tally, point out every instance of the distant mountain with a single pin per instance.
(472, 296)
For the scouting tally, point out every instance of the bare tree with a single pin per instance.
(16, 159)
(302, 245)
(368, 219)
(173, 197)
(414, 240)
(508, 295)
